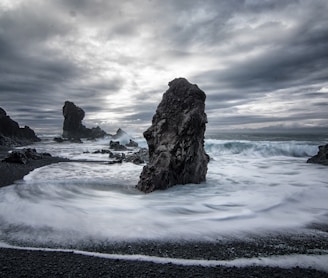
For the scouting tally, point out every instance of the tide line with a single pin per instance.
(318, 262)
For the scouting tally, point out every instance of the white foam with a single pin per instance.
(71, 202)
(318, 262)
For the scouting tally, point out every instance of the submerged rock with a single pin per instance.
(132, 144)
(59, 139)
(73, 127)
(321, 157)
(116, 146)
(11, 134)
(176, 139)
(137, 157)
(103, 151)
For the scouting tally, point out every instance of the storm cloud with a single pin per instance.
(262, 64)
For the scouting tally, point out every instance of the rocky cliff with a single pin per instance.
(11, 134)
(176, 139)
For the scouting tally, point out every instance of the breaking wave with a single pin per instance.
(260, 148)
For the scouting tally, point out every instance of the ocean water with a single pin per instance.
(255, 184)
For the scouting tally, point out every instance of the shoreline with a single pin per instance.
(282, 255)
(11, 172)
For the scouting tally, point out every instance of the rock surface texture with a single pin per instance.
(24, 156)
(11, 134)
(321, 157)
(176, 139)
(73, 127)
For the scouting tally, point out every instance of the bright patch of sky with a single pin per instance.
(257, 61)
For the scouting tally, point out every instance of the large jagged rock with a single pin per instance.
(176, 139)
(321, 157)
(73, 127)
(11, 134)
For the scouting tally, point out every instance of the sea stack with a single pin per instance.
(176, 139)
(73, 127)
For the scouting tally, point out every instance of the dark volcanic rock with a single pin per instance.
(103, 151)
(11, 134)
(73, 127)
(73, 120)
(59, 140)
(321, 157)
(139, 157)
(120, 133)
(24, 156)
(122, 136)
(132, 144)
(116, 146)
(176, 139)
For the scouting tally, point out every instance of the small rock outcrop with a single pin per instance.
(176, 139)
(139, 157)
(24, 156)
(11, 134)
(132, 144)
(120, 133)
(122, 136)
(73, 127)
(116, 146)
(321, 157)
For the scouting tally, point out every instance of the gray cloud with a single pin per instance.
(114, 59)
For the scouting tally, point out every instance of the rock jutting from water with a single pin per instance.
(176, 139)
(13, 135)
(73, 127)
(24, 156)
(321, 157)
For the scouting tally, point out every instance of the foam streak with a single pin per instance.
(318, 262)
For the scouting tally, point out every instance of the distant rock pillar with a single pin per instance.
(176, 139)
(73, 115)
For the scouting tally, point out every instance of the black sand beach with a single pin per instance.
(10, 172)
(26, 263)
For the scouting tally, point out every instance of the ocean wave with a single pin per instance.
(260, 148)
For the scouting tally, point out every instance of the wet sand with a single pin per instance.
(10, 172)
(38, 263)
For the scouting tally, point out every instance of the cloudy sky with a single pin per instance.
(263, 64)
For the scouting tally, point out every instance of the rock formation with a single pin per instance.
(24, 156)
(122, 136)
(116, 146)
(321, 157)
(176, 139)
(73, 127)
(120, 133)
(138, 157)
(11, 134)
(132, 144)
